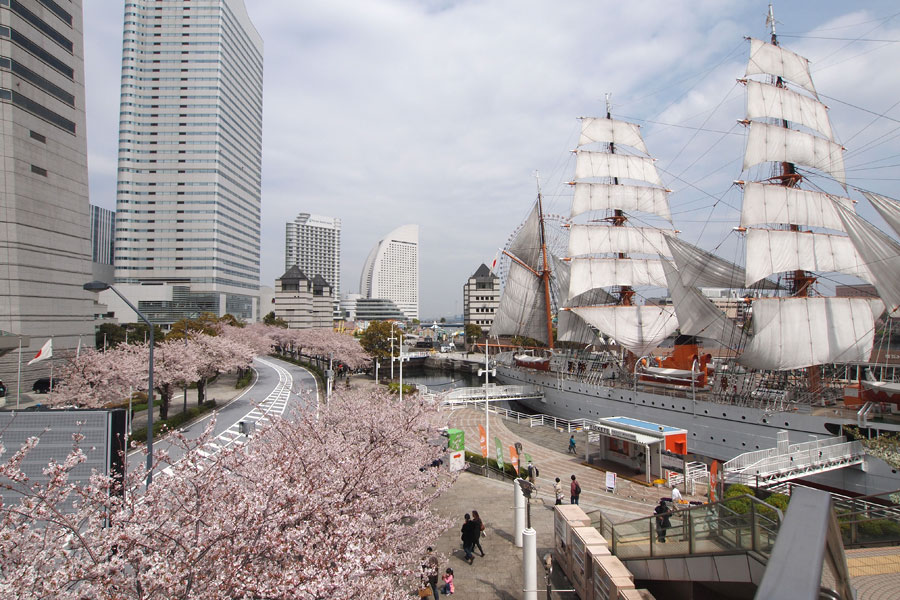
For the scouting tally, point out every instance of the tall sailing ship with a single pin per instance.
(784, 357)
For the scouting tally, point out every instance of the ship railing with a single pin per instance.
(826, 449)
(743, 523)
(532, 420)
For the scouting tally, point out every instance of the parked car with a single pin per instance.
(2, 389)
(42, 385)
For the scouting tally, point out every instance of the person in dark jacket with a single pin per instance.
(662, 521)
(471, 531)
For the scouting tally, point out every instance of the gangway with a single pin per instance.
(766, 468)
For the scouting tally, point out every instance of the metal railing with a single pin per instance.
(774, 464)
(539, 420)
(740, 524)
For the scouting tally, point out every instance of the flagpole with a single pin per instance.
(19, 375)
(51, 364)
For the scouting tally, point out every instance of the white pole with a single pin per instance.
(19, 376)
(400, 356)
(392, 351)
(519, 514)
(529, 564)
(487, 421)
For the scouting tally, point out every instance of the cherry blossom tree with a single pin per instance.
(99, 379)
(217, 354)
(334, 507)
(174, 366)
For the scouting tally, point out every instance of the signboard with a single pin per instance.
(514, 457)
(457, 461)
(482, 438)
(499, 454)
(616, 433)
(456, 440)
(610, 481)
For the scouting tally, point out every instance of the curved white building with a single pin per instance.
(391, 270)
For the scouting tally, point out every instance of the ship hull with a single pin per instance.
(715, 430)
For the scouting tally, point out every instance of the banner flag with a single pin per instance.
(499, 454)
(514, 457)
(44, 353)
(482, 437)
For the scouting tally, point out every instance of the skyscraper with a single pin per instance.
(391, 270)
(45, 251)
(313, 243)
(190, 159)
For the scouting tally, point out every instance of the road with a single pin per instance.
(277, 386)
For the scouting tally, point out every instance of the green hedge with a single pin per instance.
(244, 380)
(140, 435)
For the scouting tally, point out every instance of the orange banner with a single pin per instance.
(713, 480)
(482, 437)
(514, 457)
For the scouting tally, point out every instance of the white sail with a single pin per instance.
(790, 206)
(774, 143)
(881, 254)
(793, 333)
(611, 131)
(888, 208)
(590, 239)
(769, 101)
(768, 59)
(697, 315)
(526, 245)
(602, 164)
(605, 196)
(638, 328)
(773, 251)
(522, 309)
(572, 328)
(589, 273)
(699, 268)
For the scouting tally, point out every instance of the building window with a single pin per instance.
(39, 170)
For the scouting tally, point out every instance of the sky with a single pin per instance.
(450, 113)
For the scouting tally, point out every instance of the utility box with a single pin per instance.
(565, 518)
(586, 544)
(611, 577)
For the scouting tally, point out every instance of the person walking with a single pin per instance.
(557, 489)
(662, 520)
(533, 472)
(572, 444)
(575, 490)
(676, 497)
(477, 518)
(470, 534)
(430, 568)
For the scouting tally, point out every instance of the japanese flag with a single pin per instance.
(44, 353)
(495, 262)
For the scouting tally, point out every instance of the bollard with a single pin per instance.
(529, 564)
(520, 513)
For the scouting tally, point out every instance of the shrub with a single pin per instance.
(738, 489)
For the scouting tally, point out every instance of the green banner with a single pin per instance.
(499, 453)
(456, 440)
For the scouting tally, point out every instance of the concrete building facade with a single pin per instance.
(481, 298)
(303, 302)
(313, 243)
(391, 270)
(190, 160)
(45, 249)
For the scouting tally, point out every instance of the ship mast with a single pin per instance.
(800, 281)
(545, 272)
(626, 293)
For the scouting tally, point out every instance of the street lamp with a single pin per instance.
(99, 286)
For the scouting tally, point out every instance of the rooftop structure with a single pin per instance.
(481, 298)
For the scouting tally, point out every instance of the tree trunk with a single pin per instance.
(165, 395)
(201, 391)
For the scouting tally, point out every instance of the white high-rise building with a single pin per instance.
(313, 243)
(45, 245)
(391, 270)
(190, 159)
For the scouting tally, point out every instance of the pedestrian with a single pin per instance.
(575, 490)
(430, 568)
(477, 518)
(572, 444)
(470, 534)
(532, 472)
(662, 520)
(557, 488)
(676, 497)
(448, 582)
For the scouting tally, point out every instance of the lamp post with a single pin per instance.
(99, 286)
